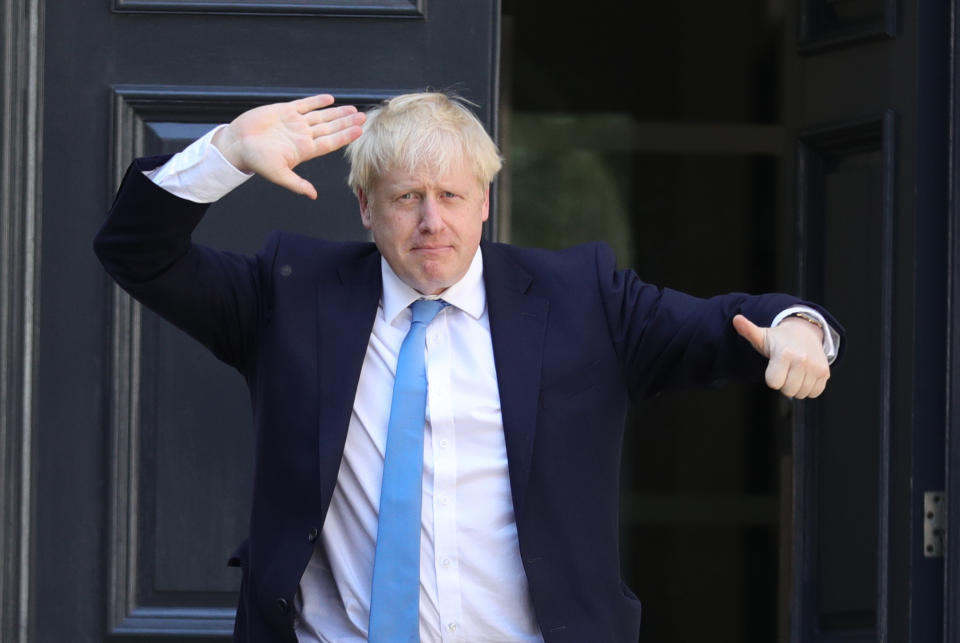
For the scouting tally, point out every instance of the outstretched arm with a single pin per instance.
(273, 139)
(798, 367)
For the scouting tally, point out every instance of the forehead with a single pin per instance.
(429, 175)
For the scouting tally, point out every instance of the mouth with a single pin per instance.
(432, 249)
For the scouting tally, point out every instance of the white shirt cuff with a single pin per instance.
(199, 173)
(831, 338)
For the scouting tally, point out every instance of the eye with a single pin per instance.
(448, 195)
(407, 196)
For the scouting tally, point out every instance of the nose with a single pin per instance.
(431, 219)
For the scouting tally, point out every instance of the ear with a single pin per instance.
(366, 217)
(485, 208)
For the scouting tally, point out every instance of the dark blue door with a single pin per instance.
(141, 440)
(866, 106)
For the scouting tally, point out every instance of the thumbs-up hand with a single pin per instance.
(798, 367)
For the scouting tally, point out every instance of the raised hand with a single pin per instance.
(273, 139)
(798, 367)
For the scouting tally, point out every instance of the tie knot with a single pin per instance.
(424, 310)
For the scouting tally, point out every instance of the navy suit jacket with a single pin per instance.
(573, 338)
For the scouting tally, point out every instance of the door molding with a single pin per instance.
(354, 9)
(820, 150)
(951, 594)
(20, 151)
(131, 609)
(818, 29)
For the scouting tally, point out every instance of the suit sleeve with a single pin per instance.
(145, 245)
(665, 338)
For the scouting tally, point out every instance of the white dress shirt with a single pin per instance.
(472, 584)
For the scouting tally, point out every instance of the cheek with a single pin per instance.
(395, 232)
(471, 230)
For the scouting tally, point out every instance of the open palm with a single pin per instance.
(273, 139)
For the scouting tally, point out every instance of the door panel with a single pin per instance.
(845, 210)
(182, 433)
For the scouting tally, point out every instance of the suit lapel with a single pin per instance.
(347, 308)
(517, 327)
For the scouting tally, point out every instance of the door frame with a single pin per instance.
(20, 151)
(951, 598)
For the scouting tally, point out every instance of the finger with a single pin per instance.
(776, 373)
(330, 114)
(790, 385)
(819, 386)
(289, 179)
(329, 127)
(820, 374)
(310, 103)
(336, 140)
(793, 383)
(809, 380)
(752, 333)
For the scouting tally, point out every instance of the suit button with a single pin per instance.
(312, 534)
(282, 605)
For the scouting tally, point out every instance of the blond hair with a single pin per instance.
(411, 131)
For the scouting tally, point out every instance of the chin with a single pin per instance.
(432, 288)
(433, 282)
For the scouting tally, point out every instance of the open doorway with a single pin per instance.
(663, 137)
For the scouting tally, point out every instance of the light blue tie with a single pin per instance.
(395, 598)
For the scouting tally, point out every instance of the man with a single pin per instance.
(523, 368)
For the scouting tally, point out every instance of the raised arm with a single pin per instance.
(145, 243)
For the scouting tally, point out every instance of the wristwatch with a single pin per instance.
(809, 318)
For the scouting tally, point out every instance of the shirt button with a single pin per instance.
(444, 500)
(452, 626)
(444, 444)
(445, 562)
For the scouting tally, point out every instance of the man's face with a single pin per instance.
(427, 224)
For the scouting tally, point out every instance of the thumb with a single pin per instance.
(295, 183)
(752, 333)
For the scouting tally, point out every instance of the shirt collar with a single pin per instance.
(468, 294)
